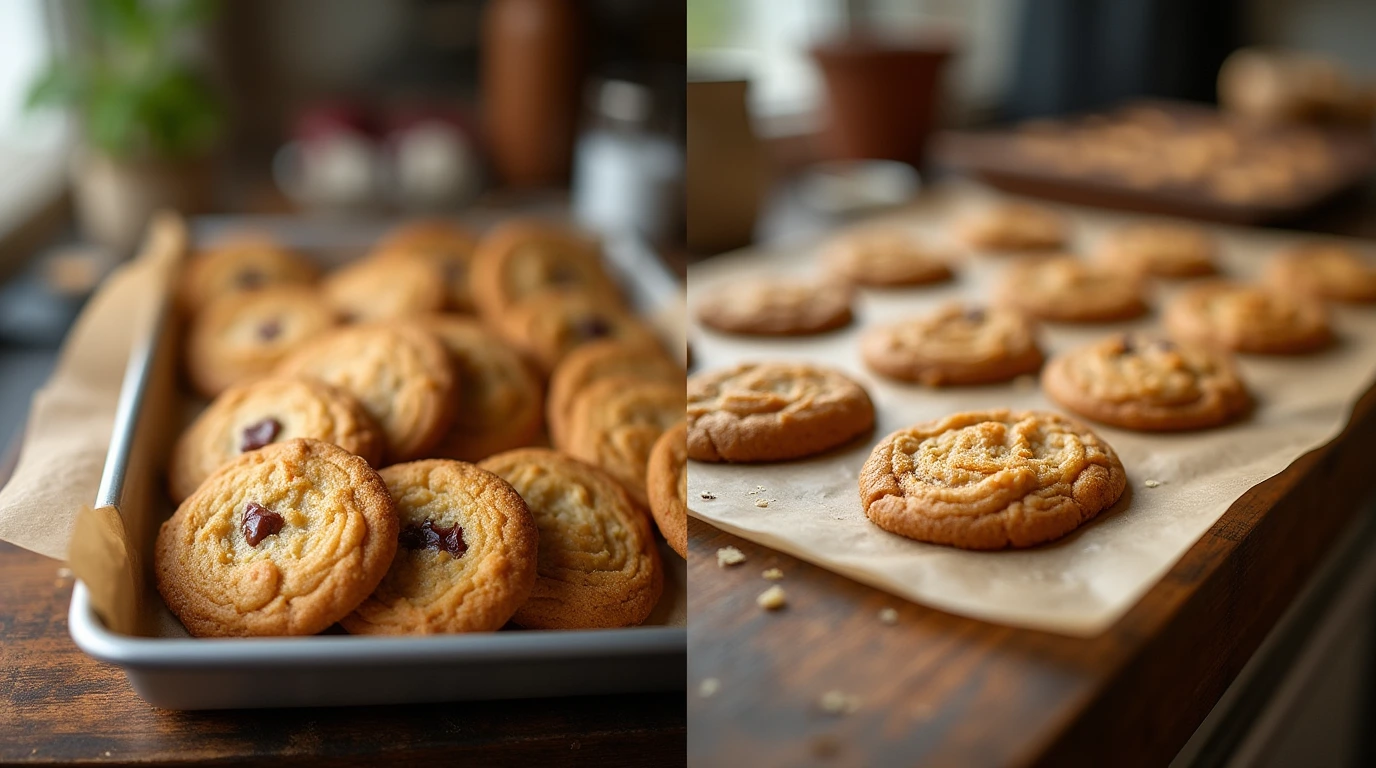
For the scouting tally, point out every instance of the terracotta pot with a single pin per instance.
(882, 97)
(115, 198)
(727, 169)
(531, 79)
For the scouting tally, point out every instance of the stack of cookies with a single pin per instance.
(997, 478)
(448, 435)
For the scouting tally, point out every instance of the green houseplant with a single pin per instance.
(147, 117)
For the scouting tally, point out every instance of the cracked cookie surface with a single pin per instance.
(666, 480)
(1248, 318)
(990, 479)
(954, 345)
(615, 423)
(1065, 289)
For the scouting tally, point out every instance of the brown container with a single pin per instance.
(727, 169)
(531, 75)
(882, 97)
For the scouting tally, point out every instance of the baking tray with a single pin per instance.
(169, 669)
(993, 157)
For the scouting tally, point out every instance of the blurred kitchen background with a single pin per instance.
(784, 97)
(377, 109)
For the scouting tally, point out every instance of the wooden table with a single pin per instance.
(58, 705)
(938, 689)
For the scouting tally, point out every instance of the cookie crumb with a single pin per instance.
(888, 616)
(1152, 483)
(773, 574)
(708, 496)
(729, 556)
(709, 687)
(772, 599)
(839, 703)
(759, 489)
(762, 503)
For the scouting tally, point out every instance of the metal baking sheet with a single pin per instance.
(170, 669)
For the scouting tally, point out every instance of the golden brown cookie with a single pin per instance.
(1248, 319)
(523, 257)
(598, 360)
(400, 373)
(1324, 271)
(954, 345)
(1065, 289)
(886, 256)
(548, 326)
(243, 336)
(1014, 227)
(246, 263)
(499, 405)
(776, 308)
(383, 289)
(442, 243)
(1148, 384)
(990, 479)
(615, 423)
(466, 554)
(1161, 250)
(250, 416)
(773, 412)
(599, 566)
(666, 481)
(285, 540)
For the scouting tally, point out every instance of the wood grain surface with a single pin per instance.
(938, 689)
(58, 706)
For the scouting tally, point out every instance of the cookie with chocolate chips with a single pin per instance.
(955, 345)
(550, 325)
(598, 563)
(382, 289)
(241, 264)
(284, 540)
(1148, 384)
(243, 336)
(253, 415)
(614, 425)
(1323, 270)
(1067, 290)
(441, 243)
(1248, 318)
(466, 555)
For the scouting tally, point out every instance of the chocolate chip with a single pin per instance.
(1126, 346)
(260, 523)
(592, 327)
(250, 279)
(429, 536)
(975, 315)
(259, 434)
(270, 329)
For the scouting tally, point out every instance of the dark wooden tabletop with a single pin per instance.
(58, 705)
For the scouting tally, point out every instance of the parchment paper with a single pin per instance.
(1084, 582)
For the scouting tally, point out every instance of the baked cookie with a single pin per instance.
(615, 423)
(954, 345)
(400, 373)
(990, 479)
(246, 263)
(499, 406)
(1324, 271)
(243, 336)
(598, 564)
(1160, 250)
(887, 256)
(1148, 384)
(1014, 227)
(1067, 290)
(447, 245)
(523, 257)
(1248, 319)
(285, 540)
(776, 308)
(466, 554)
(382, 289)
(600, 360)
(547, 326)
(666, 481)
(250, 416)
(773, 411)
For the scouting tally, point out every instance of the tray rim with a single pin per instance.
(137, 652)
